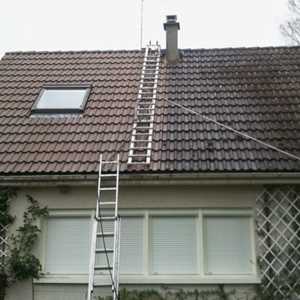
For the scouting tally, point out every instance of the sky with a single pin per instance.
(47, 25)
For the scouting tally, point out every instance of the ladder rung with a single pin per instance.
(139, 155)
(141, 141)
(142, 134)
(102, 285)
(151, 107)
(107, 203)
(105, 234)
(145, 115)
(108, 189)
(143, 108)
(140, 148)
(143, 127)
(102, 250)
(110, 162)
(145, 103)
(102, 218)
(108, 175)
(102, 268)
(149, 79)
(139, 162)
(150, 70)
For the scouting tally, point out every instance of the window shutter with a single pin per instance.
(227, 245)
(132, 245)
(68, 243)
(173, 245)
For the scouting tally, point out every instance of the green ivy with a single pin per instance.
(21, 263)
(5, 195)
(181, 294)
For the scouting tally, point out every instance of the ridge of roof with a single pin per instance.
(139, 50)
(71, 51)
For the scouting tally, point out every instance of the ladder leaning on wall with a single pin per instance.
(105, 240)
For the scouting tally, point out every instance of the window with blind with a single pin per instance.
(132, 245)
(68, 240)
(156, 245)
(227, 245)
(173, 245)
(68, 243)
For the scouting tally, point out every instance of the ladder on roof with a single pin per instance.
(105, 240)
(141, 137)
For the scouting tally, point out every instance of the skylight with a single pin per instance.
(61, 99)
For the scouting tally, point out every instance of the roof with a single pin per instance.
(254, 90)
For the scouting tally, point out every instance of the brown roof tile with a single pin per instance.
(254, 90)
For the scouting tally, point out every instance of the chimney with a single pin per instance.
(171, 27)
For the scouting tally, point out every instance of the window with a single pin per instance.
(61, 99)
(200, 245)
(132, 245)
(67, 248)
(227, 245)
(173, 245)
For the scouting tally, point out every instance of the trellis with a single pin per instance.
(3, 244)
(278, 228)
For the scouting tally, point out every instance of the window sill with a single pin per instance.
(157, 279)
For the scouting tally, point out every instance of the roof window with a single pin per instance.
(61, 99)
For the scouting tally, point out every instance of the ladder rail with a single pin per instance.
(99, 186)
(116, 240)
(92, 260)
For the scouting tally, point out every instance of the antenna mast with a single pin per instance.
(142, 21)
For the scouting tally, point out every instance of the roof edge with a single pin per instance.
(157, 179)
(139, 50)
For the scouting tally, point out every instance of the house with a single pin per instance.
(208, 204)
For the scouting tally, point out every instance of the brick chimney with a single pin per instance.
(171, 27)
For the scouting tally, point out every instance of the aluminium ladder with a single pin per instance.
(105, 240)
(141, 137)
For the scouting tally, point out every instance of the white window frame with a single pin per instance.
(59, 214)
(64, 87)
(146, 277)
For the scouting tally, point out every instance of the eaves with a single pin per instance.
(129, 179)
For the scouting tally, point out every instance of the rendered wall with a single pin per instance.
(130, 197)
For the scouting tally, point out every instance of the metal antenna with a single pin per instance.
(142, 21)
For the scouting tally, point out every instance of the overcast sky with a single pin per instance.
(115, 24)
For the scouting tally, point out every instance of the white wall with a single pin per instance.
(130, 197)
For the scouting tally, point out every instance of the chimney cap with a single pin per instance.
(171, 20)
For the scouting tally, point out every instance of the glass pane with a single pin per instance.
(68, 244)
(173, 245)
(61, 98)
(227, 245)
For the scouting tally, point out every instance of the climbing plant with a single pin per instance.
(17, 260)
(218, 293)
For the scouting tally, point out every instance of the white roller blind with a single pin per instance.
(68, 244)
(173, 245)
(132, 246)
(227, 243)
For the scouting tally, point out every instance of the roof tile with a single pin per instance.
(254, 90)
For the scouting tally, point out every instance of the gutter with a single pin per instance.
(155, 179)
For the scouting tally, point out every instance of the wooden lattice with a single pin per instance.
(3, 244)
(278, 228)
